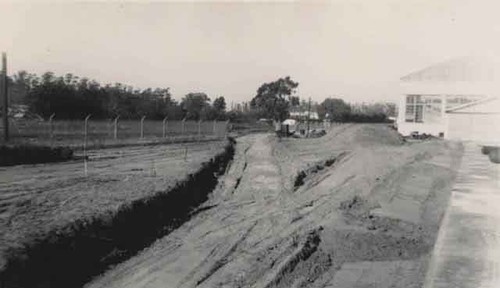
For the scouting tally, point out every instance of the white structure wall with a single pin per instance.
(468, 78)
(481, 128)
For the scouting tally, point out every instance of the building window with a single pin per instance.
(432, 109)
(423, 108)
(414, 108)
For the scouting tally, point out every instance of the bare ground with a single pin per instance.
(356, 208)
(38, 199)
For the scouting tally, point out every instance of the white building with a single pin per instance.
(457, 99)
(303, 115)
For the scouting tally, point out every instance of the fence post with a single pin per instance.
(308, 117)
(165, 123)
(142, 126)
(85, 144)
(4, 92)
(116, 127)
(227, 127)
(215, 124)
(199, 129)
(183, 123)
(51, 128)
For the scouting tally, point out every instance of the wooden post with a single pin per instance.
(165, 124)
(51, 128)
(142, 126)
(4, 92)
(227, 127)
(214, 128)
(85, 144)
(199, 129)
(115, 134)
(308, 116)
(153, 168)
(183, 123)
(86, 132)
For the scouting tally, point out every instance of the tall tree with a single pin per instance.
(71, 97)
(220, 104)
(218, 110)
(273, 98)
(195, 105)
(335, 109)
(20, 85)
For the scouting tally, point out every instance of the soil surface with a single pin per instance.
(358, 207)
(37, 199)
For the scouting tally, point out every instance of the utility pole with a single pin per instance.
(308, 116)
(4, 92)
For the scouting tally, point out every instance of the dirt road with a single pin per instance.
(355, 208)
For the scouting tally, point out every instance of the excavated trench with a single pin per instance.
(73, 256)
(308, 173)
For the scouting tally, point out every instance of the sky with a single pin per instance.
(357, 50)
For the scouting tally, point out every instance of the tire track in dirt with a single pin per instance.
(224, 233)
(301, 253)
(298, 238)
(225, 258)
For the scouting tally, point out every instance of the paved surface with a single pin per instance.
(467, 251)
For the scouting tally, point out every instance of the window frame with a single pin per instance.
(414, 101)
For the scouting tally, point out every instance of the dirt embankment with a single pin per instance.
(28, 154)
(356, 208)
(69, 255)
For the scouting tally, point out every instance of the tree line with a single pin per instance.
(337, 110)
(275, 100)
(72, 97)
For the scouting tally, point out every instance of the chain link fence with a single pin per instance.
(113, 132)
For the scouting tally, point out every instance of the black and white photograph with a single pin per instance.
(259, 144)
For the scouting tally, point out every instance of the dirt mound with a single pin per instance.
(380, 134)
(299, 212)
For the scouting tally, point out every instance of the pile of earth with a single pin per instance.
(358, 207)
